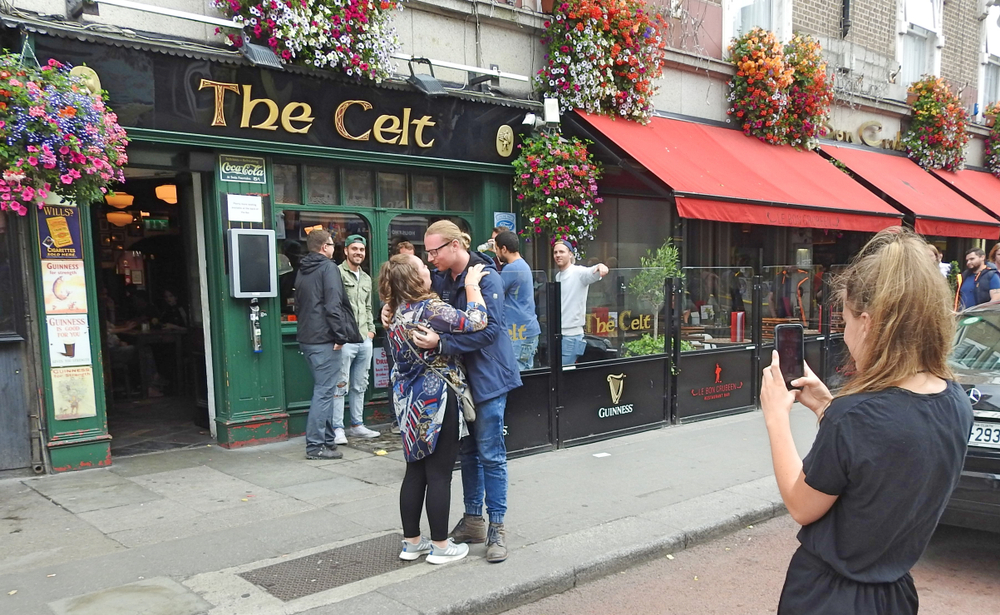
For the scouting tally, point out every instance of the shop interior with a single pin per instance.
(152, 339)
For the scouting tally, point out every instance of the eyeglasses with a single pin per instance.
(330, 245)
(434, 252)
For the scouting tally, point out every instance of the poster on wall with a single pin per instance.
(59, 232)
(381, 368)
(242, 169)
(65, 286)
(69, 340)
(73, 393)
(245, 208)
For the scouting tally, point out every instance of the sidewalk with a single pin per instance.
(174, 531)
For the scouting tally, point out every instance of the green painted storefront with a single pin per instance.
(319, 140)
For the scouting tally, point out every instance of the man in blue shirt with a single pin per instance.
(519, 300)
(980, 282)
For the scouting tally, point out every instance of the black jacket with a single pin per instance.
(321, 306)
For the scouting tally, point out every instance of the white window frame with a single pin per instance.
(988, 56)
(781, 20)
(934, 35)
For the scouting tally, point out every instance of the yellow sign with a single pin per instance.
(868, 133)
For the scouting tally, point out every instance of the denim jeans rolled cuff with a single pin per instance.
(573, 347)
(484, 461)
(355, 365)
(324, 364)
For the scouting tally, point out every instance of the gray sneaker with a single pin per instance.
(325, 453)
(451, 553)
(471, 529)
(411, 551)
(496, 543)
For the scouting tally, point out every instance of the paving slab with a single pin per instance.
(161, 596)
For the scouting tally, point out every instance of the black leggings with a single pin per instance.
(431, 476)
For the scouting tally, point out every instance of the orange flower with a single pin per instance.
(67, 112)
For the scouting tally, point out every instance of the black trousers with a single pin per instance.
(430, 480)
(813, 588)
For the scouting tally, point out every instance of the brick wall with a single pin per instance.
(873, 22)
(960, 55)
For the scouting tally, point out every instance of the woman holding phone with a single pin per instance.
(890, 445)
(425, 386)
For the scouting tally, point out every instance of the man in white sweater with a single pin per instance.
(574, 282)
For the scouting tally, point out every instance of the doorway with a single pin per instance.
(150, 302)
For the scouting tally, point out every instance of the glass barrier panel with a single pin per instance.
(836, 309)
(524, 314)
(792, 294)
(717, 307)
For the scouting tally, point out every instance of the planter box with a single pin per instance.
(990, 119)
(911, 98)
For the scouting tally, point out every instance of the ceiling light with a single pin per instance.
(259, 55)
(119, 200)
(119, 218)
(427, 84)
(167, 193)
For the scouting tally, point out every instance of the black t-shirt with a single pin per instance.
(893, 458)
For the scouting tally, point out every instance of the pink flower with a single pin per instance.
(63, 150)
(33, 161)
(28, 193)
(66, 179)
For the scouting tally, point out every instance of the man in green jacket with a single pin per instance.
(357, 358)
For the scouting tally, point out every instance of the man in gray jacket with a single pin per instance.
(325, 323)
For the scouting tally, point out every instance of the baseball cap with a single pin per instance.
(356, 239)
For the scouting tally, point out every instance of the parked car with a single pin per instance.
(976, 362)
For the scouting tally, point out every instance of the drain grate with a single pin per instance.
(318, 572)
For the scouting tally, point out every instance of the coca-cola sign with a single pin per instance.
(245, 169)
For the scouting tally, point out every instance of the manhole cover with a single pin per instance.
(322, 571)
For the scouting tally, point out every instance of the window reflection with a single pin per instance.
(411, 227)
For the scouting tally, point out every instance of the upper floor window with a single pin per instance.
(919, 48)
(990, 90)
(750, 14)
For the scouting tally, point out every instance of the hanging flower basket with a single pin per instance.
(604, 56)
(810, 95)
(55, 137)
(555, 181)
(355, 36)
(759, 93)
(937, 135)
(992, 153)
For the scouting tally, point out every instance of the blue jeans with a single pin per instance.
(357, 361)
(572, 348)
(484, 461)
(524, 352)
(324, 363)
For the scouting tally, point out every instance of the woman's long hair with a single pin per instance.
(908, 303)
(399, 282)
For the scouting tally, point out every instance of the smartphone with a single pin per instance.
(788, 340)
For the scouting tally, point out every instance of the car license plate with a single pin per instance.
(985, 434)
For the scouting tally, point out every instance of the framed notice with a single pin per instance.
(73, 393)
(244, 169)
(245, 208)
(69, 340)
(65, 287)
(506, 220)
(59, 232)
(381, 363)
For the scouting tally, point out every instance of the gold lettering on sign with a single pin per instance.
(338, 119)
(392, 128)
(248, 106)
(305, 116)
(418, 134)
(220, 87)
(868, 133)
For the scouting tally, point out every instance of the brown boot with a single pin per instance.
(470, 529)
(496, 543)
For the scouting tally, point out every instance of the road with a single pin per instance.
(742, 574)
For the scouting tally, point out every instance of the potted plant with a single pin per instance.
(604, 56)
(56, 136)
(655, 267)
(355, 36)
(555, 180)
(937, 135)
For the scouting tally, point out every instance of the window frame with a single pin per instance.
(14, 256)
(781, 20)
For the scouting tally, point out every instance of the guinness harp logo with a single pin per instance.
(616, 383)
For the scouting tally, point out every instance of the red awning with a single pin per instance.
(721, 174)
(937, 209)
(977, 186)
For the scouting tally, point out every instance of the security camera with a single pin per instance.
(529, 119)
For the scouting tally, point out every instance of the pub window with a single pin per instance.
(458, 195)
(426, 192)
(359, 188)
(293, 227)
(287, 187)
(321, 185)
(9, 323)
(392, 192)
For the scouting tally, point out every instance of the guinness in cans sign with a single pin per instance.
(242, 169)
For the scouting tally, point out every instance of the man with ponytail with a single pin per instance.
(493, 372)
(890, 445)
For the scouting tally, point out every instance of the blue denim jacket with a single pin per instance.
(488, 355)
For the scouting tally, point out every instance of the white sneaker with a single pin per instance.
(452, 553)
(360, 431)
(411, 551)
(338, 436)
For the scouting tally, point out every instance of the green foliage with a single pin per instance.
(656, 267)
(647, 344)
(953, 275)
